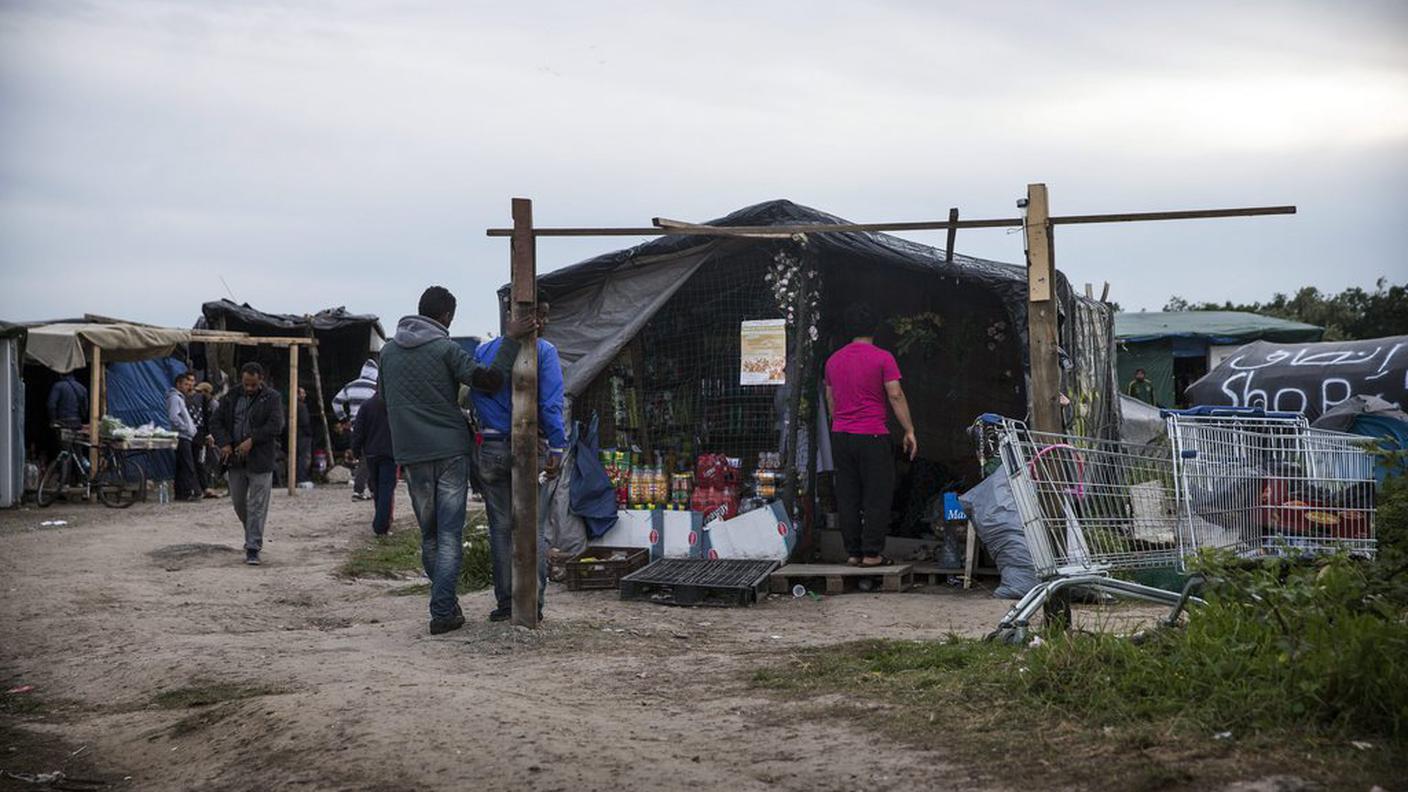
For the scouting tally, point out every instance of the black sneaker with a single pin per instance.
(251, 557)
(500, 614)
(438, 626)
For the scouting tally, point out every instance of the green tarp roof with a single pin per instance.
(1217, 327)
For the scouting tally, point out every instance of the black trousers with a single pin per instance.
(187, 481)
(865, 490)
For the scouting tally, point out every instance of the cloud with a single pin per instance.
(316, 158)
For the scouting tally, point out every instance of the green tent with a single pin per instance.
(1163, 343)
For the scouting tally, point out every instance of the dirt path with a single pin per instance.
(336, 685)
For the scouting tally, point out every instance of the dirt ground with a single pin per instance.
(307, 681)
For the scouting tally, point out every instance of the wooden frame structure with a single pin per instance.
(1043, 393)
(97, 403)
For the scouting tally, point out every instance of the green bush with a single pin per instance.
(1279, 645)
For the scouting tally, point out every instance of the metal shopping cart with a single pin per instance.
(1090, 509)
(1256, 483)
(1246, 481)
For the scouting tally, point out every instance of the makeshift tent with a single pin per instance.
(345, 341)
(12, 445)
(1176, 347)
(63, 347)
(1373, 417)
(1308, 378)
(651, 338)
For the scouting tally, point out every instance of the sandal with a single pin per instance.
(883, 562)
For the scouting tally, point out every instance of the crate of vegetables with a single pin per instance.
(603, 567)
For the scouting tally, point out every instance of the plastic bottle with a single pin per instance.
(163, 492)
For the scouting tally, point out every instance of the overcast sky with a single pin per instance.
(323, 154)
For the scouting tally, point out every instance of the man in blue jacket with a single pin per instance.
(68, 402)
(421, 371)
(495, 411)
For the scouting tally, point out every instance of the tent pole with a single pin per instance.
(794, 400)
(524, 449)
(95, 385)
(318, 391)
(1044, 399)
(952, 235)
(291, 444)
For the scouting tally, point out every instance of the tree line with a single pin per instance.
(1350, 315)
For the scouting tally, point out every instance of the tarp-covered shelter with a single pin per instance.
(12, 402)
(650, 337)
(1175, 348)
(345, 341)
(140, 361)
(1308, 378)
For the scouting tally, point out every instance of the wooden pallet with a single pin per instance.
(840, 578)
(932, 574)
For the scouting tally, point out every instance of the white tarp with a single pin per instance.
(63, 347)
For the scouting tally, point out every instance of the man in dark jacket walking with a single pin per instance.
(371, 442)
(421, 371)
(247, 426)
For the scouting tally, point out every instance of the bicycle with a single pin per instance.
(119, 481)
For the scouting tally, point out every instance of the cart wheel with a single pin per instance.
(52, 483)
(122, 484)
(1012, 636)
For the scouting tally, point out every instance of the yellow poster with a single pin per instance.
(764, 345)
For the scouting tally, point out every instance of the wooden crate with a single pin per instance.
(595, 567)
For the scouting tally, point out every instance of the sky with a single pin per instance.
(299, 155)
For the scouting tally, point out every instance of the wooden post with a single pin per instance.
(291, 446)
(318, 391)
(524, 479)
(952, 235)
(1045, 380)
(95, 415)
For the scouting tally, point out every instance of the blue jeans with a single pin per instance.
(439, 489)
(382, 479)
(495, 471)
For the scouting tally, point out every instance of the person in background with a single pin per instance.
(371, 441)
(199, 402)
(861, 380)
(342, 443)
(495, 463)
(68, 403)
(421, 371)
(345, 404)
(1142, 389)
(247, 425)
(304, 446)
(178, 412)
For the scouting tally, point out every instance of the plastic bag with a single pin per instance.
(995, 519)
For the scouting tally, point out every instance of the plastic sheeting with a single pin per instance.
(1307, 378)
(997, 523)
(601, 304)
(137, 396)
(61, 347)
(1215, 327)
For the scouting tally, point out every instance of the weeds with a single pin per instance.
(398, 556)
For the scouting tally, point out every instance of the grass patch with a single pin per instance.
(20, 704)
(1285, 670)
(209, 695)
(398, 556)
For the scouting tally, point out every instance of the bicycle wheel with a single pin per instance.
(55, 477)
(122, 483)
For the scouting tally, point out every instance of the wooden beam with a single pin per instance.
(952, 235)
(524, 478)
(291, 445)
(95, 406)
(318, 391)
(244, 340)
(1105, 293)
(1045, 380)
(665, 227)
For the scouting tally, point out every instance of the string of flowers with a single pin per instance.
(785, 277)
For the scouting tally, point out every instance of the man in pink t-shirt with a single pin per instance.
(861, 381)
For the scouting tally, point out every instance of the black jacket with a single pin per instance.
(371, 432)
(266, 426)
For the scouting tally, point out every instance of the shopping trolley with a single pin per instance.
(1090, 509)
(1258, 483)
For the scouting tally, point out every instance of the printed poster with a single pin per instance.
(764, 345)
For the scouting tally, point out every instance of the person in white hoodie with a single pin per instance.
(179, 414)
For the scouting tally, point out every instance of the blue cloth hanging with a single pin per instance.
(592, 495)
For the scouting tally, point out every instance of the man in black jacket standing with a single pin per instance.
(246, 427)
(371, 442)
